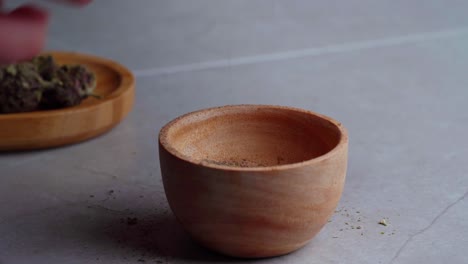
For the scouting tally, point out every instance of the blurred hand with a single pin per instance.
(23, 31)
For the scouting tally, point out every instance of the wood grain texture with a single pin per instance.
(93, 117)
(253, 180)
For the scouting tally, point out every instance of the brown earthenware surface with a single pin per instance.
(253, 180)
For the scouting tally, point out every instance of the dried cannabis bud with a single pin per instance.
(42, 84)
(69, 86)
(46, 67)
(20, 88)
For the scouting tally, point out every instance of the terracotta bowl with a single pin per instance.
(253, 180)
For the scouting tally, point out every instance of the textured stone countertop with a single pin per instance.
(393, 72)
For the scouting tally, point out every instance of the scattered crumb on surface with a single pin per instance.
(355, 221)
(383, 222)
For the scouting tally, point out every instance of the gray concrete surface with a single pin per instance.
(394, 72)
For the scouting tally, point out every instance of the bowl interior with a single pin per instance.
(250, 136)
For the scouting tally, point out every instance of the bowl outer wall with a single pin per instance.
(257, 213)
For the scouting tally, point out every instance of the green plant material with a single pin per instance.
(46, 66)
(69, 86)
(41, 84)
(20, 88)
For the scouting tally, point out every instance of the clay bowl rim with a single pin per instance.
(164, 142)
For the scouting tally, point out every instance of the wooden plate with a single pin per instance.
(93, 117)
